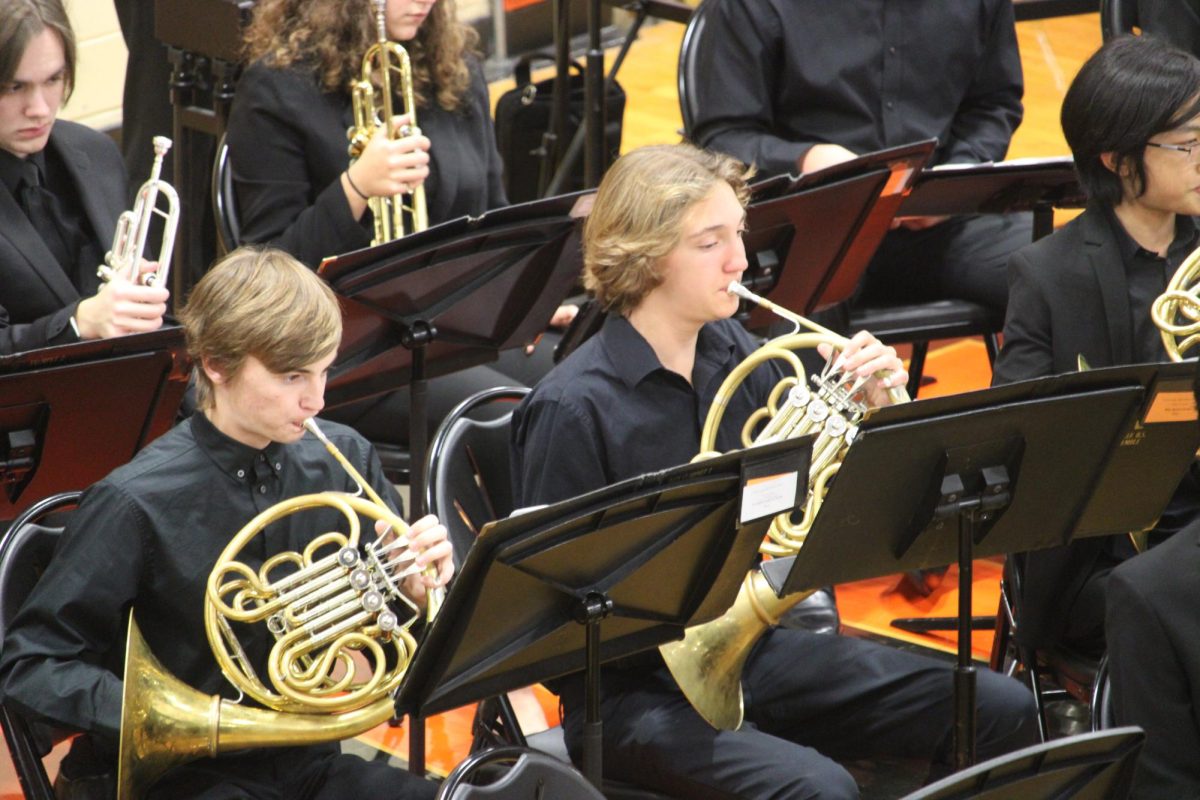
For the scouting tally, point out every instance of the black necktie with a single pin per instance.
(39, 205)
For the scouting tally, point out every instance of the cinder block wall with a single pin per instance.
(100, 73)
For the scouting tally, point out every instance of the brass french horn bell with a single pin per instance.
(707, 663)
(340, 649)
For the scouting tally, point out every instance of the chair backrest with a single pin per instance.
(1103, 713)
(469, 477)
(1090, 765)
(224, 201)
(689, 50)
(514, 773)
(25, 551)
(1117, 17)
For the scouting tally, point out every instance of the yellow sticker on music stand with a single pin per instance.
(1172, 406)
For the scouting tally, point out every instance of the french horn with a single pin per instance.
(707, 663)
(340, 649)
(1176, 312)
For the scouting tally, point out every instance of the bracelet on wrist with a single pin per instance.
(357, 190)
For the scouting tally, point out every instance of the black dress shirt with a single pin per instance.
(146, 538)
(1148, 274)
(287, 148)
(782, 75)
(612, 411)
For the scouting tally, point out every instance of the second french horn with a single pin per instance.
(707, 662)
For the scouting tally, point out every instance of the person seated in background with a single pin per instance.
(62, 187)
(1132, 120)
(262, 330)
(1154, 662)
(661, 245)
(298, 189)
(798, 86)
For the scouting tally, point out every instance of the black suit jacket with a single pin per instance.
(1154, 654)
(37, 298)
(1068, 296)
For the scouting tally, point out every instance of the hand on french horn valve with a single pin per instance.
(429, 544)
(122, 306)
(864, 356)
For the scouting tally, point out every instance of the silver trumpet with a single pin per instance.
(133, 228)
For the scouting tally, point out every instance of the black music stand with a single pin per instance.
(811, 237)
(601, 576)
(444, 299)
(996, 471)
(105, 398)
(1029, 184)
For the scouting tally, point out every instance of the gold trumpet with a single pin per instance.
(1176, 312)
(707, 663)
(335, 602)
(133, 228)
(372, 111)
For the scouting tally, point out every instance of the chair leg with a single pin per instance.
(916, 367)
(991, 341)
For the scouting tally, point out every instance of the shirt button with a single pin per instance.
(262, 489)
(890, 105)
(241, 473)
(278, 467)
(892, 50)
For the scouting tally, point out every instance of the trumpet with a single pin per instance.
(133, 228)
(372, 111)
(707, 662)
(340, 649)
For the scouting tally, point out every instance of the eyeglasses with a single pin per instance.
(1191, 151)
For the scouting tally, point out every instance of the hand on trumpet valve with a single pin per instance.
(389, 166)
(422, 561)
(122, 306)
(864, 356)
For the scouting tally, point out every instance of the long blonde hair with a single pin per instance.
(637, 218)
(333, 35)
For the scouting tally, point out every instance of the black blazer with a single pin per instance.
(37, 298)
(1154, 653)
(1068, 296)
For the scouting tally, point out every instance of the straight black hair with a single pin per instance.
(1131, 89)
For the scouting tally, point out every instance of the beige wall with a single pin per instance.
(101, 69)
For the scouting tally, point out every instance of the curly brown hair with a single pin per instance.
(333, 35)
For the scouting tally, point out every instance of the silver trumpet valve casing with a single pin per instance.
(133, 228)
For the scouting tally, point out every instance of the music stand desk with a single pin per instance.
(811, 237)
(630, 566)
(1033, 184)
(1002, 470)
(71, 414)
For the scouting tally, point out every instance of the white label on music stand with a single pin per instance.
(768, 495)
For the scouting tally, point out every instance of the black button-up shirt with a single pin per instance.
(775, 77)
(612, 411)
(1148, 274)
(146, 537)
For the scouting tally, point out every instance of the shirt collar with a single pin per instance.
(633, 358)
(235, 459)
(1185, 238)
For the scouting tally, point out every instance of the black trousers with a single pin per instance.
(320, 772)
(810, 699)
(963, 258)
